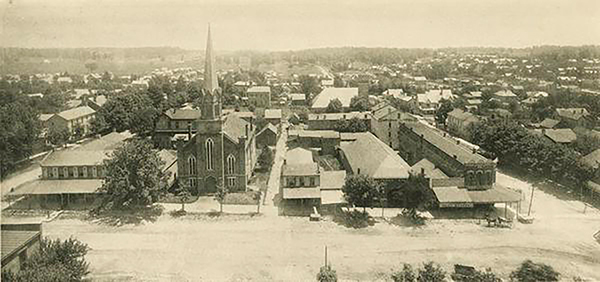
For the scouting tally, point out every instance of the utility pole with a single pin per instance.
(530, 200)
(325, 255)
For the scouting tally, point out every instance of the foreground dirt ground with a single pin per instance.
(268, 247)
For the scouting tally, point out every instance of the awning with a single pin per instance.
(497, 194)
(452, 197)
(58, 186)
(301, 193)
(331, 197)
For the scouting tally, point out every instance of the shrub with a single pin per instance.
(530, 271)
(475, 276)
(412, 216)
(431, 272)
(355, 219)
(407, 274)
(327, 274)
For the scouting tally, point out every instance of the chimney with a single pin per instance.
(457, 142)
(284, 161)
(189, 131)
(422, 171)
(358, 170)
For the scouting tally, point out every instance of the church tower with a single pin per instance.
(211, 103)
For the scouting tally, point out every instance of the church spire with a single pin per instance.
(210, 75)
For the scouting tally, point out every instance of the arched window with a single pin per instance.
(209, 154)
(65, 172)
(192, 165)
(230, 164)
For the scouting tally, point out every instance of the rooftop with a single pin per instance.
(561, 135)
(339, 116)
(185, 114)
(374, 158)
(76, 112)
(332, 179)
(331, 93)
(301, 193)
(259, 89)
(272, 113)
(572, 113)
(13, 241)
(435, 96)
(505, 93)
(58, 186)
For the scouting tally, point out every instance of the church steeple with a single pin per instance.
(211, 105)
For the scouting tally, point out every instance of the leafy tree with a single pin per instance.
(586, 143)
(309, 85)
(99, 124)
(56, 260)
(58, 135)
(221, 194)
(431, 272)
(530, 272)
(327, 274)
(265, 159)
(334, 106)
(133, 111)
(407, 274)
(360, 104)
(352, 125)
(134, 176)
(183, 192)
(476, 276)
(19, 130)
(360, 190)
(442, 112)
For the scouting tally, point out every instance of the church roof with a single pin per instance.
(235, 127)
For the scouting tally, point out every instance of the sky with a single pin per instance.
(298, 24)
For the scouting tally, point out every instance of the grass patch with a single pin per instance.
(241, 198)
(173, 199)
(134, 215)
(354, 219)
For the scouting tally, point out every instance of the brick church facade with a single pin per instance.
(223, 148)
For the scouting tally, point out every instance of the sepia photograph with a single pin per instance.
(300, 140)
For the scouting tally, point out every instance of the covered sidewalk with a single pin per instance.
(62, 191)
(454, 197)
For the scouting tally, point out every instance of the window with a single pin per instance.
(172, 125)
(301, 181)
(193, 182)
(230, 164)
(312, 182)
(192, 165)
(75, 172)
(389, 134)
(230, 181)
(65, 172)
(84, 171)
(390, 124)
(209, 153)
(55, 172)
(94, 172)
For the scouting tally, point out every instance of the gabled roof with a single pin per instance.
(45, 117)
(435, 96)
(185, 114)
(259, 89)
(331, 93)
(386, 111)
(269, 127)
(562, 135)
(374, 158)
(505, 93)
(592, 159)
(76, 113)
(428, 168)
(297, 97)
(572, 113)
(13, 241)
(549, 123)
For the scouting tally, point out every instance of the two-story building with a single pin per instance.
(259, 96)
(459, 122)
(77, 120)
(384, 123)
(175, 123)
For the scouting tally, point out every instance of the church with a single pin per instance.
(223, 148)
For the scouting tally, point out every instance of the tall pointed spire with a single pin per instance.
(210, 75)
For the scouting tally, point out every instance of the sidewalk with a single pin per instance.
(270, 202)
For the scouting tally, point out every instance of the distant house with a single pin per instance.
(294, 119)
(505, 96)
(460, 121)
(77, 93)
(273, 116)
(267, 136)
(96, 102)
(396, 93)
(74, 119)
(19, 242)
(327, 82)
(298, 99)
(345, 95)
(259, 96)
(549, 123)
(429, 102)
(560, 136)
(330, 121)
(573, 117)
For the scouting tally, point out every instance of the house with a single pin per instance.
(223, 149)
(19, 242)
(77, 120)
(384, 123)
(459, 122)
(259, 96)
(370, 156)
(294, 119)
(549, 123)
(327, 83)
(396, 93)
(273, 116)
(72, 175)
(64, 79)
(96, 102)
(267, 136)
(298, 99)
(429, 102)
(573, 117)
(560, 136)
(173, 122)
(330, 121)
(305, 185)
(321, 101)
(77, 93)
(505, 96)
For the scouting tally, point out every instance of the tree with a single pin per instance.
(431, 273)
(134, 176)
(360, 190)
(19, 130)
(476, 276)
(327, 274)
(220, 195)
(359, 104)
(530, 272)
(183, 192)
(586, 143)
(265, 159)
(58, 135)
(442, 112)
(98, 125)
(334, 106)
(407, 274)
(352, 125)
(309, 85)
(56, 260)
